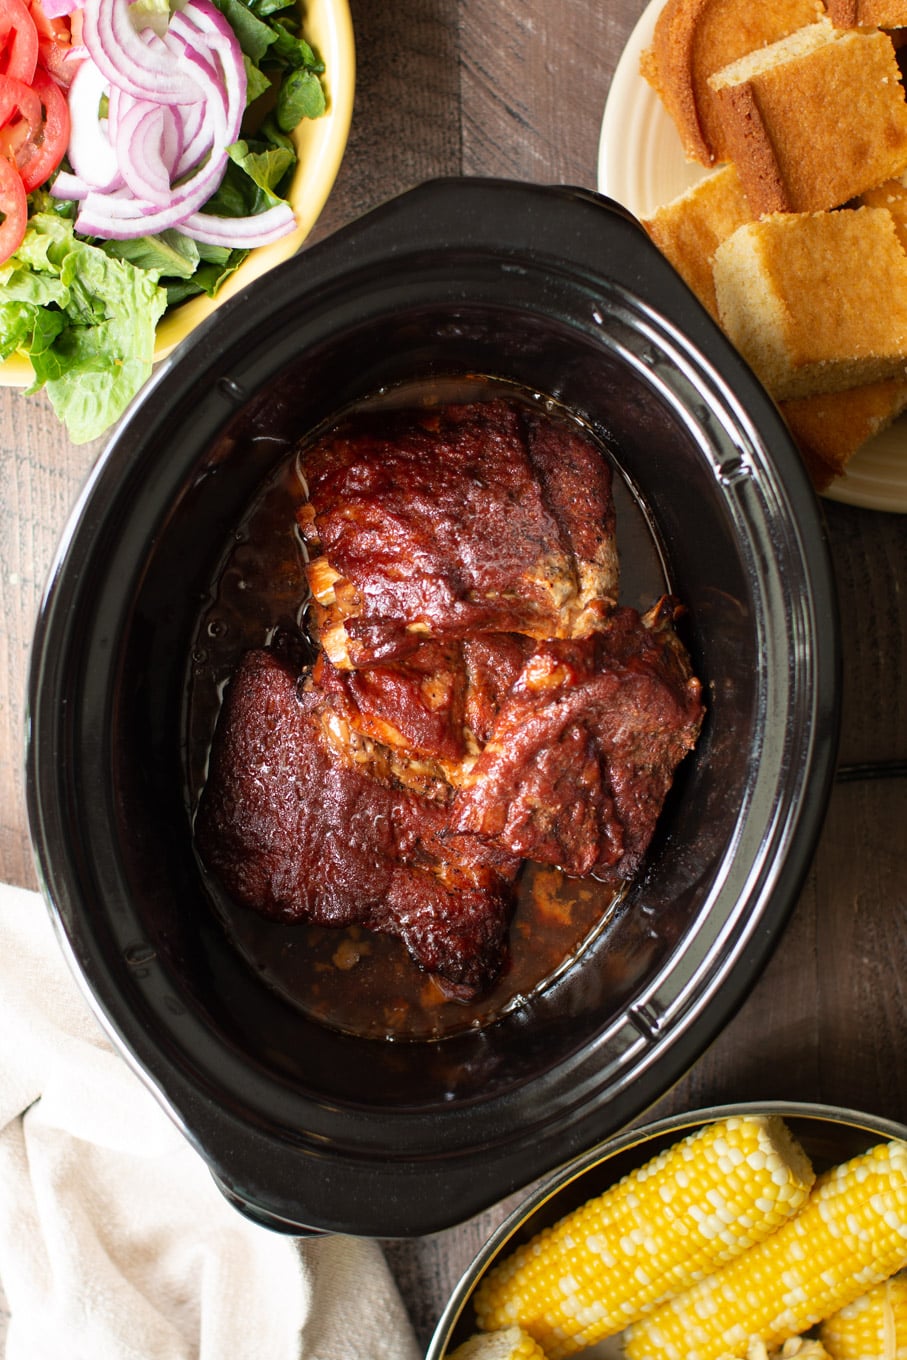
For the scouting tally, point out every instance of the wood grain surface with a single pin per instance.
(478, 87)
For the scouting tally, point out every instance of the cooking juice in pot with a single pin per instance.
(352, 978)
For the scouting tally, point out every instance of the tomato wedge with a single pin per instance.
(55, 52)
(34, 126)
(18, 41)
(14, 209)
(58, 29)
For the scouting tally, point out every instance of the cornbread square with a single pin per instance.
(689, 229)
(829, 429)
(694, 38)
(893, 196)
(816, 119)
(816, 302)
(868, 13)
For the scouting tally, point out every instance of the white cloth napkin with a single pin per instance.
(115, 1244)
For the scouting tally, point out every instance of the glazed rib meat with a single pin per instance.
(585, 747)
(478, 697)
(453, 522)
(301, 821)
(432, 712)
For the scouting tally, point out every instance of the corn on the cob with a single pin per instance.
(511, 1344)
(873, 1327)
(797, 1348)
(850, 1234)
(695, 1205)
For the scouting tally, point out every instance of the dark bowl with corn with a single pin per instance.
(741, 1232)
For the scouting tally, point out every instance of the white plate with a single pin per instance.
(641, 164)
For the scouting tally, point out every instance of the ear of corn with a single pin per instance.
(689, 1209)
(873, 1327)
(511, 1344)
(851, 1234)
(797, 1348)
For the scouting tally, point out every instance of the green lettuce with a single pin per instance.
(85, 320)
(85, 311)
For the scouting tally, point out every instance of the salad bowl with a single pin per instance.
(319, 143)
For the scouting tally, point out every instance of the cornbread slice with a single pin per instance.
(689, 229)
(694, 38)
(829, 429)
(814, 120)
(816, 302)
(893, 196)
(868, 13)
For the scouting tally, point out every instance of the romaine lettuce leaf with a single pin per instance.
(85, 320)
(168, 254)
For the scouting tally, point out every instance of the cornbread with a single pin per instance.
(829, 429)
(868, 13)
(851, 1234)
(798, 294)
(694, 38)
(815, 119)
(689, 229)
(893, 196)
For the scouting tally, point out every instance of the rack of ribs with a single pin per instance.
(478, 697)
(454, 522)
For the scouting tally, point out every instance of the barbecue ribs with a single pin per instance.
(478, 699)
(454, 522)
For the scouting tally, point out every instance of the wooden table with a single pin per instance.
(481, 87)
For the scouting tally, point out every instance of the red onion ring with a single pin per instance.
(175, 103)
(241, 232)
(91, 152)
(127, 60)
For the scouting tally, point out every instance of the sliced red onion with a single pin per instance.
(91, 153)
(70, 187)
(175, 104)
(148, 71)
(196, 129)
(148, 147)
(120, 217)
(203, 30)
(58, 9)
(241, 232)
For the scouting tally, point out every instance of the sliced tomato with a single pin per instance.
(59, 28)
(58, 60)
(19, 104)
(34, 126)
(14, 209)
(18, 41)
(55, 52)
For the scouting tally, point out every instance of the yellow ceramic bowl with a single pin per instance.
(320, 144)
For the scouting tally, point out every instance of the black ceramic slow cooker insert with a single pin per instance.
(560, 292)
